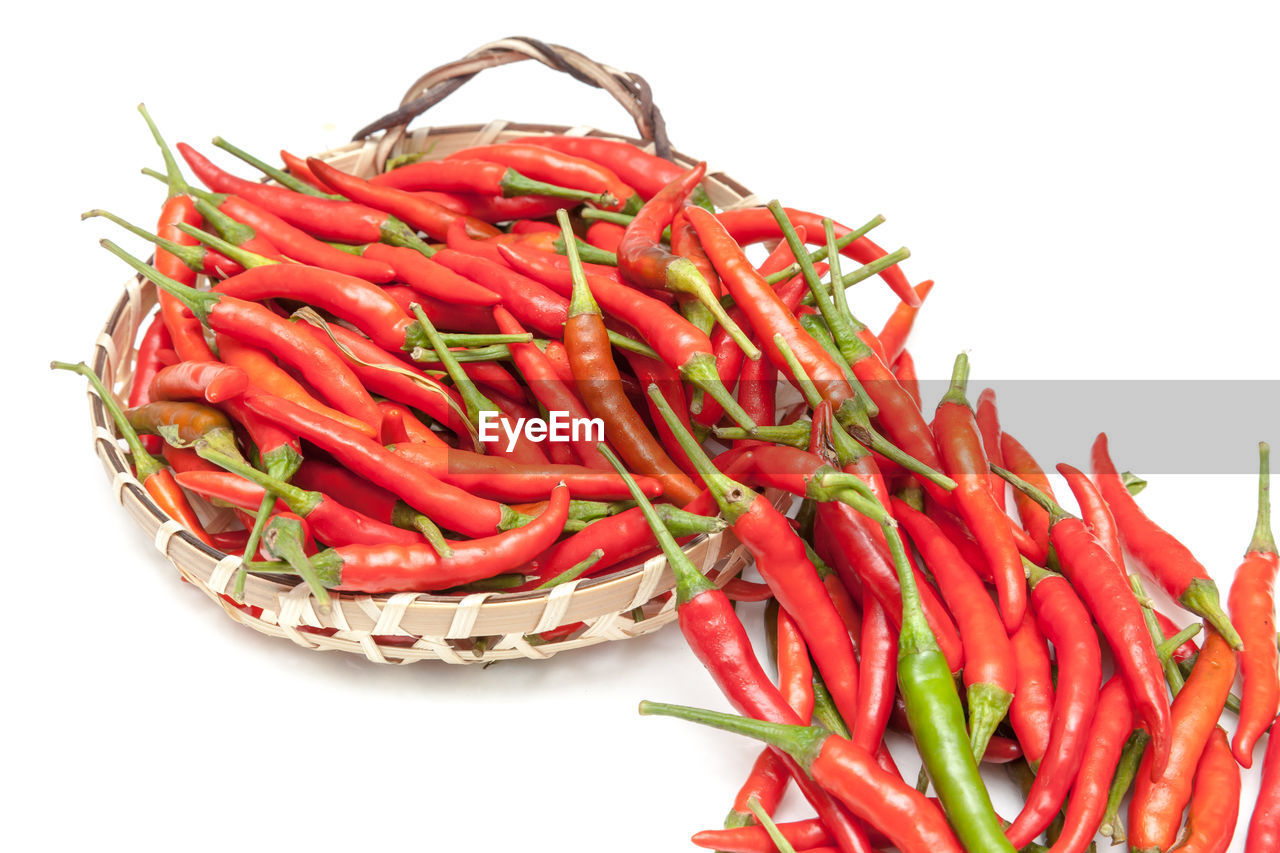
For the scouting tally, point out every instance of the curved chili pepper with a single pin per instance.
(382, 373)
(149, 360)
(877, 673)
(461, 318)
(329, 219)
(413, 568)
(1067, 624)
(766, 783)
(646, 172)
(157, 480)
(256, 324)
(470, 172)
(417, 212)
(211, 381)
(753, 224)
(1104, 589)
(1108, 733)
(1252, 604)
(990, 671)
(1264, 825)
(300, 246)
(430, 277)
(1155, 812)
(963, 459)
(1034, 518)
(1166, 560)
(558, 167)
(447, 505)
(533, 304)
(988, 421)
(1094, 510)
(893, 337)
(268, 377)
(599, 385)
(1215, 799)
(645, 262)
(1031, 713)
(910, 821)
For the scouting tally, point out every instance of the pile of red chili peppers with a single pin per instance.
(329, 350)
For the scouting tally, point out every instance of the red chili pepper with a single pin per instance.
(300, 246)
(533, 304)
(1104, 589)
(960, 446)
(988, 420)
(1252, 604)
(904, 370)
(268, 377)
(1264, 825)
(427, 276)
(877, 673)
(1035, 519)
(493, 209)
(211, 381)
(447, 505)
(414, 568)
(640, 169)
(297, 167)
(416, 211)
(645, 262)
(328, 219)
(990, 671)
(153, 350)
(1067, 624)
(1031, 713)
(444, 314)
(1155, 812)
(1094, 510)
(893, 337)
(605, 235)
(1215, 799)
(753, 224)
(1164, 558)
(766, 783)
(470, 171)
(557, 167)
(1112, 723)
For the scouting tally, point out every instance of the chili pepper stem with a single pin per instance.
(283, 538)
(144, 464)
(199, 302)
(300, 501)
(1263, 541)
(574, 571)
(868, 436)
(515, 184)
(683, 277)
(803, 743)
(189, 255)
(701, 371)
(173, 174)
(278, 175)
(1201, 597)
(733, 498)
(1126, 769)
(243, 257)
(690, 582)
(784, 846)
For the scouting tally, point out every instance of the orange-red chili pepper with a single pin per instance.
(1215, 799)
(470, 171)
(1155, 812)
(1031, 713)
(1253, 606)
(1164, 558)
(988, 420)
(1264, 825)
(893, 337)
(1034, 518)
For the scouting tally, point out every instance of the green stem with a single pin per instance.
(700, 369)
(191, 256)
(959, 383)
(243, 257)
(395, 232)
(144, 464)
(587, 253)
(1055, 510)
(824, 252)
(236, 233)
(1169, 646)
(299, 501)
(683, 276)
(803, 743)
(733, 498)
(817, 329)
(630, 345)
(847, 450)
(575, 571)
(474, 401)
(1171, 672)
(173, 174)
(283, 538)
(580, 299)
(1133, 483)
(1126, 769)
(775, 834)
(793, 435)
(690, 583)
(515, 184)
(1263, 541)
(278, 175)
(251, 546)
(825, 713)
(199, 302)
(496, 352)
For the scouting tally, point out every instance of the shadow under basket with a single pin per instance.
(406, 627)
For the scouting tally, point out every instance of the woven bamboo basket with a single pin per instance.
(408, 627)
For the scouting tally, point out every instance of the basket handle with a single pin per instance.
(627, 88)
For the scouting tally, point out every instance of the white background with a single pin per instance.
(1093, 187)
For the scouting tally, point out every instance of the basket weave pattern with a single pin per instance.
(404, 627)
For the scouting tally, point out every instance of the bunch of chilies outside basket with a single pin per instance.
(330, 380)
